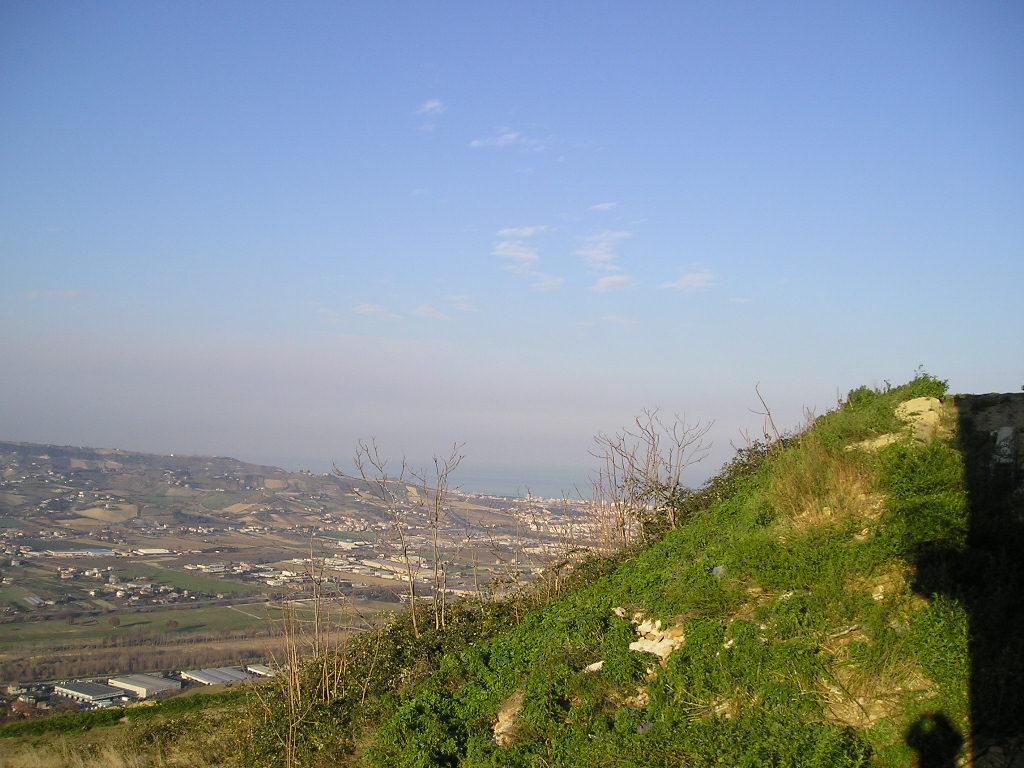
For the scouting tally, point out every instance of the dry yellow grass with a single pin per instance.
(815, 485)
(67, 754)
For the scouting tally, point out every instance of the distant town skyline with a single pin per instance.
(267, 231)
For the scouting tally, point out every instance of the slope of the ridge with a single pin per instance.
(779, 626)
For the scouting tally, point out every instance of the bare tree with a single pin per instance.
(434, 500)
(372, 468)
(774, 436)
(641, 472)
(311, 661)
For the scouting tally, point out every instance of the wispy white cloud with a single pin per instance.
(521, 259)
(618, 320)
(608, 320)
(604, 206)
(462, 302)
(523, 231)
(329, 313)
(740, 300)
(515, 251)
(541, 281)
(431, 108)
(425, 310)
(67, 293)
(375, 310)
(612, 283)
(506, 137)
(598, 250)
(693, 281)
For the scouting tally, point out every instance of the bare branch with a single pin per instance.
(641, 472)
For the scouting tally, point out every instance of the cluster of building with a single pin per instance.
(125, 689)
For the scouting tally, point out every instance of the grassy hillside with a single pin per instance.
(822, 602)
(804, 640)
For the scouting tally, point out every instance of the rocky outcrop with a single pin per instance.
(504, 728)
(922, 418)
(654, 639)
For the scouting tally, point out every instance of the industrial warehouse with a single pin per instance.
(122, 690)
(90, 694)
(145, 686)
(216, 675)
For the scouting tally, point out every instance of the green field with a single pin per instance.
(12, 594)
(193, 582)
(118, 514)
(204, 619)
(222, 500)
(34, 582)
(55, 632)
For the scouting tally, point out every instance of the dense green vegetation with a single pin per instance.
(814, 581)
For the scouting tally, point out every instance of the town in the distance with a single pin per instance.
(150, 573)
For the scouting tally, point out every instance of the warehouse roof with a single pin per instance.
(152, 683)
(89, 691)
(216, 675)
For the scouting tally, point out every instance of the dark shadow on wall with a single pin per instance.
(987, 578)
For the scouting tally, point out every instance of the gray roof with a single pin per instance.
(217, 675)
(89, 690)
(149, 682)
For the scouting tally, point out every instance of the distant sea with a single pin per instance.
(548, 482)
(497, 480)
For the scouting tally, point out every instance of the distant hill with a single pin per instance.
(78, 457)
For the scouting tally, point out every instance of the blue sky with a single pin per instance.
(266, 230)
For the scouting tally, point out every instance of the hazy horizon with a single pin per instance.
(275, 229)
